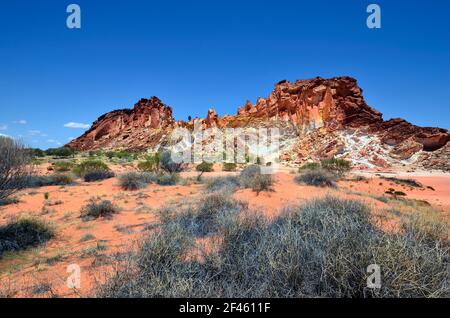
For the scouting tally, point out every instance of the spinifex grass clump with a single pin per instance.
(136, 180)
(24, 233)
(320, 249)
(317, 178)
(226, 183)
(251, 177)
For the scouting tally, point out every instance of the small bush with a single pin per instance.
(246, 176)
(98, 208)
(62, 179)
(167, 164)
(60, 152)
(93, 175)
(24, 233)
(88, 166)
(63, 166)
(8, 201)
(136, 180)
(229, 166)
(168, 179)
(14, 166)
(317, 178)
(228, 183)
(320, 249)
(262, 182)
(251, 177)
(205, 167)
(339, 167)
(151, 163)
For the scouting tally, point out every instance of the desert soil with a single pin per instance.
(42, 271)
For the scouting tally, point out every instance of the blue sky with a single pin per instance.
(200, 54)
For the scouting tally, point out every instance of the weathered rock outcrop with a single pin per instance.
(135, 129)
(325, 117)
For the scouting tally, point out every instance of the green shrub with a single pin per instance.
(88, 166)
(98, 208)
(97, 175)
(63, 166)
(205, 167)
(338, 167)
(168, 179)
(229, 166)
(60, 152)
(136, 180)
(24, 233)
(317, 178)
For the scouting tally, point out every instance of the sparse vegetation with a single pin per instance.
(98, 208)
(24, 233)
(168, 179)
(151, 163)
(317, 178)
(320, 249)
(62, 166)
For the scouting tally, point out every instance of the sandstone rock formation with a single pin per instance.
(320, 118)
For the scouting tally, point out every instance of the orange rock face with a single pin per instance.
(317, 110)
(134, 129)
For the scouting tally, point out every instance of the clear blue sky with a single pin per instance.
(200, 54)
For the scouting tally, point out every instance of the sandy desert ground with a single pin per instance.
(42, 271)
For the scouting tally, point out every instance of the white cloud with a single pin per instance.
(3, 127)
(77, 125)
(20, 122)
(3, 135)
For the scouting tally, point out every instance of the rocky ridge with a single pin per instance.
(319, 118)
